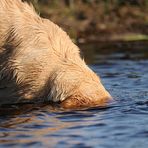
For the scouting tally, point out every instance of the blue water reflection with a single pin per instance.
(124, 123)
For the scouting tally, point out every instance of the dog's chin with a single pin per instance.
(78, 102)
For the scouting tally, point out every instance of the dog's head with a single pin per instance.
(75, 85)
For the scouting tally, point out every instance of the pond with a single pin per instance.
(123, 123)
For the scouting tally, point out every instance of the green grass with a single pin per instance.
(135, 37)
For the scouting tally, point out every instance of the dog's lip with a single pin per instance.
(73, 103)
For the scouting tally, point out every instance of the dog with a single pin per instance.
(40, 63)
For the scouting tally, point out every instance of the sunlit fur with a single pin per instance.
(39, 62)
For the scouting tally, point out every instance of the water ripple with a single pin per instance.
(123, 123)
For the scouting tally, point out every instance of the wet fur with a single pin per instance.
(39, 62)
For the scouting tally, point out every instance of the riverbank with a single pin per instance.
(98, 21)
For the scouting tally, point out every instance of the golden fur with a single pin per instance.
(39, 62)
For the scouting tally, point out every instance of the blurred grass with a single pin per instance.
(136, 37)
(98, 20)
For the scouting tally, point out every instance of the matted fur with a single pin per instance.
(39, 62)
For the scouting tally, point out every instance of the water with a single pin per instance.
(122, 124)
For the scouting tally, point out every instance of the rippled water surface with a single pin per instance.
(122, 124)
